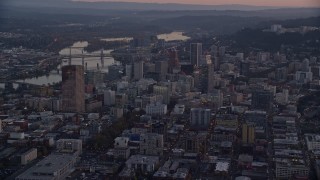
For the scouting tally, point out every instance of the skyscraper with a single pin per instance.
(73, 99)
(195, 53)
(262, 99)
(244, 68)
(138, 70)
(248, 133)
(306, 65)
(210, 79)
(173, 60)
(129, 70)
(200, 118)
(162, 68)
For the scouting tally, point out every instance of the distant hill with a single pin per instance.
(256, 37)
(214, 24)
(155, 10)
(291, 23)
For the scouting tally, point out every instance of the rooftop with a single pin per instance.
(312, 137)
(48, 167)
(140, 159)
(222, 166)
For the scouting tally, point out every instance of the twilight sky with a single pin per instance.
(288, 3)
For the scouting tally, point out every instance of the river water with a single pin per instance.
(92, 62)
(174, 36)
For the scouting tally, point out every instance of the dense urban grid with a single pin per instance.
(182, 105)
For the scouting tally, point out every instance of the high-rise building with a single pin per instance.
(315, 71)
(93, 77)
(256, 118)
(73, 99)
(195, 53)
(303, 77)
(109, 97)
(210, 78)
(262, 100)
(281, 74)
(214, 50)
(174, 64)
(149, 67)
(129, 70)
(248, 134)
(114, 72)
(162, 68)
(138, 70)
(164, 91)
(195, 142)
(222, 51)
(306, 65)
(200, 118)
(244, 68)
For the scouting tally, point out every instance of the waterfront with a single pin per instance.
(76, 49)
(127, 39)
(91, 63)
(173, 36)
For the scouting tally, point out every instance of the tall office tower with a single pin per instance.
(200, 118)
(138, 70)
(248, 133)
(203, 78)
(262, 100)
(162, 68)
(210, 78)
(244, 68)
(216, 61)
(174, 64)
(73, 99)
(164, 90)
(129, 70)
(315, 71)
(214, 50)
(281, 74)
(222, 51)
(149, 67)
(93, 77)
(196, 77)
(306, 65)
(114, 72)
(109, 97)
(195, 53)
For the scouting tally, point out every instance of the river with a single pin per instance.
(55, 75)
(173, 36)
